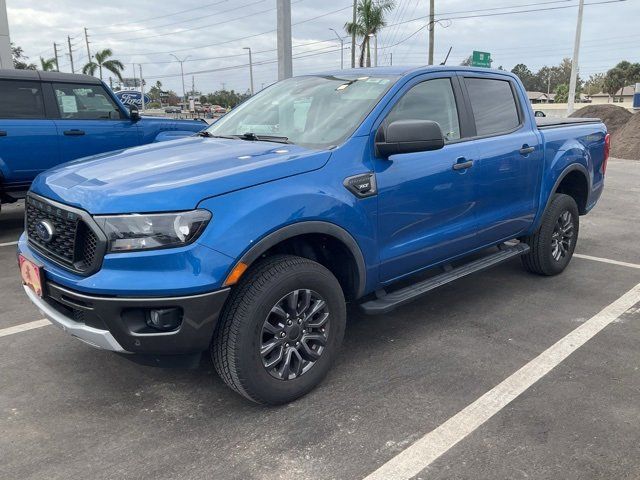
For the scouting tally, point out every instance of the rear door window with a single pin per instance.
(493, 104)
(20, 99)
(85, 102)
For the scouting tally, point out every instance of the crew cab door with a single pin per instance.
(508, 165)
(28, 139)
(426, 208)
(90, 121)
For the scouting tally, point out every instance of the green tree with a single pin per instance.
(526, 76)
(102, 61)
(20, 59)
(48, 65)
(595, 84)
(623, 74)
(369, 20)
(562, 93)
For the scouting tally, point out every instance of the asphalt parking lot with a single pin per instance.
(68, 411)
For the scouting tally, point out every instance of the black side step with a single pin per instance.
(399, 297)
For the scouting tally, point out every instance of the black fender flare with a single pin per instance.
(309, 227)
(571, 168)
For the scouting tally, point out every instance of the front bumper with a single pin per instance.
(118, 323)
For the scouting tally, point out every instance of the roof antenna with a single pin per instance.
(447, 57)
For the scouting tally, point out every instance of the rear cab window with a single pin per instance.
(21, 100)
(85, 102)
(493, 104)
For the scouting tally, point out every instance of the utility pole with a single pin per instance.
(250, 68)
(391, 59)
(341, 48)
(574, 61)
(86, 39)
(285, 61)
(55, 53)
(141, 86)
(6, 60)
(432, 28)
(548, 87)
(70, 54)
(353, 35)
(184, 94)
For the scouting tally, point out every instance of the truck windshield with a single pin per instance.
(312, 111)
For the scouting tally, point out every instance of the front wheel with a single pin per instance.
(555, 240)
(280, 330)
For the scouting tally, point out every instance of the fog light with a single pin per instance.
(164, 319)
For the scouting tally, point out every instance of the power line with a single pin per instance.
(148, 19)
(185, 20)
(235, 39)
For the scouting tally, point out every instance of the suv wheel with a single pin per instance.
(553, 244)
(280, 330)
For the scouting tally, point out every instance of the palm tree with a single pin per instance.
(114, 66)
(370, 19)
(48, 65)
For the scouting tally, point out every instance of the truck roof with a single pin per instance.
(402, 70)
(15, 74)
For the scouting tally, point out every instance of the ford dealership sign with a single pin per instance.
(132, 97)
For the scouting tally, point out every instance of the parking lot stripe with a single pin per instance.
(430, 447)
(24, 327)
(607, 260)
(8, 244)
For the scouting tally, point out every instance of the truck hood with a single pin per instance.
(173, 175)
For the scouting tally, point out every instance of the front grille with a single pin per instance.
(74, 244)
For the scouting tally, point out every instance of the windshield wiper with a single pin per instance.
(207, 134)
(263, 138)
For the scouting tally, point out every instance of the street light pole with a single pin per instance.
(574, 61)
(250, 68)
(341, 48)
(184, 91)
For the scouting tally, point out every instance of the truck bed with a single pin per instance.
(546, 122)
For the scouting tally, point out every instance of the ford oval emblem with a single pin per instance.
(44, 229)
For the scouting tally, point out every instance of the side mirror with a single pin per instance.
(408, 136)
(134, 113)
(539, 113)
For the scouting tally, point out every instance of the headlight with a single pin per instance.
(157, 230)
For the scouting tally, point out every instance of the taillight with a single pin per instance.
(607, 150)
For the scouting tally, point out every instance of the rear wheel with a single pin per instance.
(280, 330)
(555, 240)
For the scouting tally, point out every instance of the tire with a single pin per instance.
(560, 221)
(242, 334)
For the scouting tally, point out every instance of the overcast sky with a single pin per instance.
(147, 31)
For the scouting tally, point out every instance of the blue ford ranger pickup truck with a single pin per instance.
(366, 186)
(48, 118)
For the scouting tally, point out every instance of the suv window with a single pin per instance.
(20, 99)
(85, 102)
(493, 104)
(430, 100)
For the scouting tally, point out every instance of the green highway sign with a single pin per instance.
(481, 59)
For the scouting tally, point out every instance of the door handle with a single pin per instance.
(3, 133)
(462, 164)
(74, 133)
(526, 149)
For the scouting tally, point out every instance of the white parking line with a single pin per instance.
(606, 260)
(426, 450)
(8, 244)
(23, 327)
